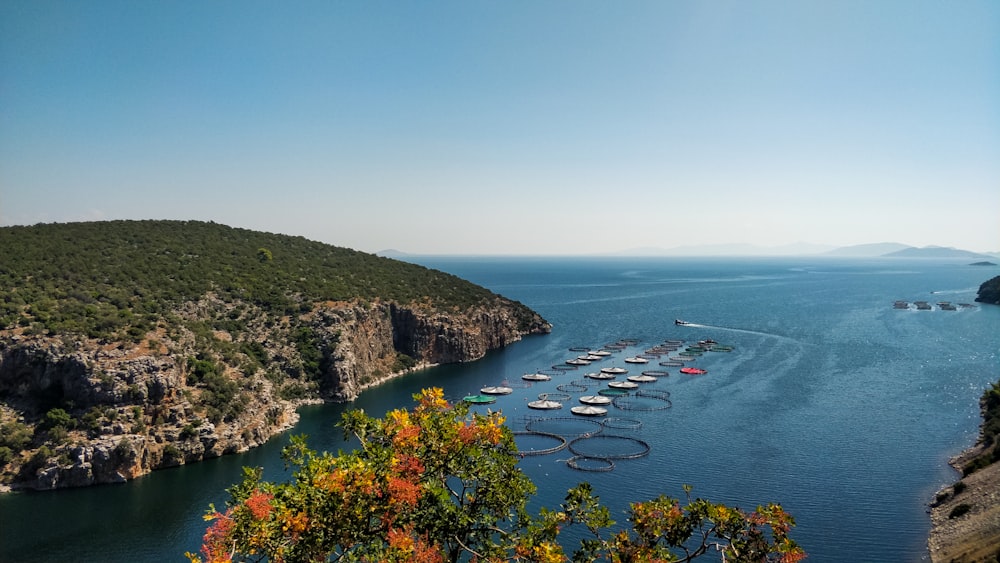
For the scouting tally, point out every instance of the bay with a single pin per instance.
(832, 403)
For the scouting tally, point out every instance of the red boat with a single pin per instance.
(693, 371)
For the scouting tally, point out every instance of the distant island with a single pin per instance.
(128, 346)
(983, 263)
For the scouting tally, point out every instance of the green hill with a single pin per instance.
(115, 278)
(127, 346)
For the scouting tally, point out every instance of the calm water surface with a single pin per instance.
(832, 403)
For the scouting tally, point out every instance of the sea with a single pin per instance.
(830, 401)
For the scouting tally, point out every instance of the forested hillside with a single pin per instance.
(131, 345)
(116, 279)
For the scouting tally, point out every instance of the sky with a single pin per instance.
(524, 127)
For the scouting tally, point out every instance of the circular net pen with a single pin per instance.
(564, 367)
(656, 372)
(614, 392)
(564, 426)
(585, 382)
(515, 384)
(609, 446)
(554, 396)
(538, 443)
(571, 388)
(621, 423)
(672, 364)
(579, 349)
(658, 393)
(551, 371)
(642, 403)
(586, 463)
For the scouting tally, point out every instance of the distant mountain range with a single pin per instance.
(874, 250)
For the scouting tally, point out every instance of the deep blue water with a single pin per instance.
(832, 403)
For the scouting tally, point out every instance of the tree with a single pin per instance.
(438, 483)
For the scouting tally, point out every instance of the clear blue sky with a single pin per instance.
(510, 127)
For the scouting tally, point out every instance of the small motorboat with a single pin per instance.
(680, 322)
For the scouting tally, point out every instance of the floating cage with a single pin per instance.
(600, 375)
(614, 392)
(671, 363)
(527, 437)
(516, 384)
(497, 390)
(599, 353)
(655, 373)
(585, 382)
(622, 384)
(614, 370)
(636, 360)
(621, 423)
(693, 371)
(673, 342)
(479, 399)
(609, 446)
(577, 362)
(579, 349)
(721, 349)
(595, 400)
(536, 377)
(550, 371)
(554, 396)
(649, 356)
(683, 359)
(589, 411)
(545, 405)
(571, 388)
(563, 367)
(643, 403)
(586, 463)
(628, 341)
(641, 378)
(658, 393)
(564, 426)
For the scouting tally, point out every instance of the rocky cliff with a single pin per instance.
(989, 291)
(87, 411)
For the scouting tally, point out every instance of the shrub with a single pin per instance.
(441, 483)
(959, 510)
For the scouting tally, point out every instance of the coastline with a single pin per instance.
(965, 516)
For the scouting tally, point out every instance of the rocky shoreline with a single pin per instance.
(965, 516)
(92, 412)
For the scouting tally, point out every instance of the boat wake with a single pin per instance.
(741, 330)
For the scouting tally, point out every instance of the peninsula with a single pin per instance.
(128, 346)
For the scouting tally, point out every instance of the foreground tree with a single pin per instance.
(438, 483)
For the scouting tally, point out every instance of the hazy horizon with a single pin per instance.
(517, 128)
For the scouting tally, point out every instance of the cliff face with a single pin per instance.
(91, 411)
